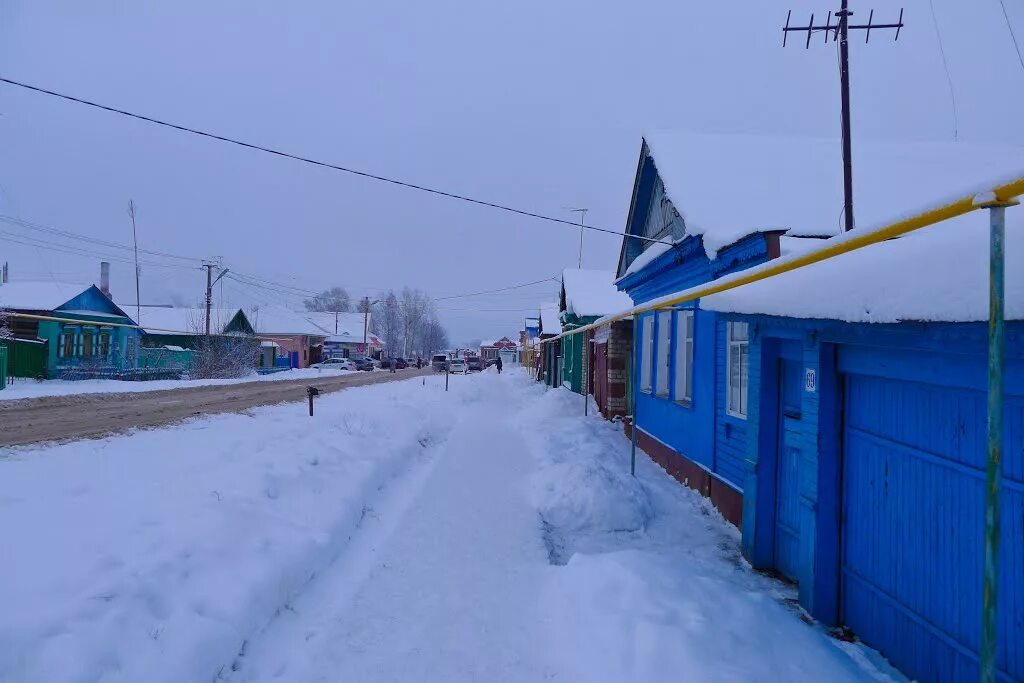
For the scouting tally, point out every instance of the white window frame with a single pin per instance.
(646, 353)
(682, 379)
(738, 347)
(663, 355)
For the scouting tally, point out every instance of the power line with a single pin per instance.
(1013, 36)
(323, 164)
(500, 289)
(15, 238)
(945, 65)
(31, 225)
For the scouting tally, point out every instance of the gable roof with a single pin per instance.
(187, 320)
(728, 186)
(549, 322)
(38, 296)
(278, 320)
(592, 293)
(937, 274)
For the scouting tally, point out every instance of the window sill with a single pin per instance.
(685, 403)
(735, 416)
(664, 397)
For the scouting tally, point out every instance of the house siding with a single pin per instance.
(891, 469)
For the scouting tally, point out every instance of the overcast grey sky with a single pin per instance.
(536, 104)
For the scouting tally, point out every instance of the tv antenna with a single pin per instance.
(839, 32)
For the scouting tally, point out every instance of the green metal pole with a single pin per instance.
(993, 473)
(633, 384)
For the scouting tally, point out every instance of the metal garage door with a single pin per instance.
(913, 475)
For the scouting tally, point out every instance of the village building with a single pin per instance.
(865, 407)
(492, 350)
(550, 368)
(585, 296)
(172, 335)
(836, 414)
(88, 336)
(299, 340)
(348, 333)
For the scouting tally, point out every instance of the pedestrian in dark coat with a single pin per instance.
(394, 365)
(498, 365)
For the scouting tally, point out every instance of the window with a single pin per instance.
(87, 345)
(736, 388)
(104, 345)
(67, 345)
(646, 353)
(683, 383)
(664, 335)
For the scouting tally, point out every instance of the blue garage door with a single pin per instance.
(913, 497)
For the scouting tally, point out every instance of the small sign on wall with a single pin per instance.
(810, 380)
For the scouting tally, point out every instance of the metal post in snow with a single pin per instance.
(993, 471)
(632, 371)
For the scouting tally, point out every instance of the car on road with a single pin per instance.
(335, 364)
(365, 364)
(439, 362)
(474, 364)
(400, 363)
(458, 366)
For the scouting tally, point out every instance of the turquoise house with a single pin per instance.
(91, 335)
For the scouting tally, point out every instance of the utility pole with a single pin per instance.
(135, 239)
(582, 213)
(840, 33)
(366, 322)
(210, 282)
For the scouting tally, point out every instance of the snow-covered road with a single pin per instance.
(488, 533)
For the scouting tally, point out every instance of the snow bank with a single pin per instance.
(592, 292)
(156, 556)
(939, 273)
(652, 586)
(30, 388)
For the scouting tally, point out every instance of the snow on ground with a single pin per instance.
(29, 388)
(405, 533)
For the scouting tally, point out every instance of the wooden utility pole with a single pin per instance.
(135, 239)
(210, 282)
(840, 33)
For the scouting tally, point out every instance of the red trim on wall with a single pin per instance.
(725, 498)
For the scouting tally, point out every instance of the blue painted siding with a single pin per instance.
(730, 431)
(891, 467)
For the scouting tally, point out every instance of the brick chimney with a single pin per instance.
(105, 278)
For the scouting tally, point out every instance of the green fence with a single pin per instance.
(3, 367)
(25, 357)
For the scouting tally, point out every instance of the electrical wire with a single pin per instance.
(24, 240)
(1013, 36)
(500, 289)
(323, 164)
(945, 65)
(14, 220)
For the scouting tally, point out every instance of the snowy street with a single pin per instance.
(490, 533)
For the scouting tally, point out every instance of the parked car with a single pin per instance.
(458, 366)
(362, 363)
(490, 362)
(335, 364)
(400, 363)
(439, 362)
(474, 364)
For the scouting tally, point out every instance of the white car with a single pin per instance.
(457, 365)
(335, 364)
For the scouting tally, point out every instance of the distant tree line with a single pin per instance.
(406, 322)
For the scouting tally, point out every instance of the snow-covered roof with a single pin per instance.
(937, 274)
(549, 322)
(592, 292)
(160, 320)
(348, 325)
(38, 296)
(728, 186)
(282, 321)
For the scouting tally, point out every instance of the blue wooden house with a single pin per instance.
(845, 438)
(88, 338)
(865, 459)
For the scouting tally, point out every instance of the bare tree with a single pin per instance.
(435, 337)
(333, 300)
(217, 356)
(5, 325)
(387, 317)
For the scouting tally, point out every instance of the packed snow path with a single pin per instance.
(487, 533)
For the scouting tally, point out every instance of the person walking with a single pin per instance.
(497, 364)
(419, 362)
(394, 365)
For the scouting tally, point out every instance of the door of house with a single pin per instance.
(787, 488)
(599, 379)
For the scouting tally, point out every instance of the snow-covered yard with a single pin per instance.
(404, 533)
(30, 388)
